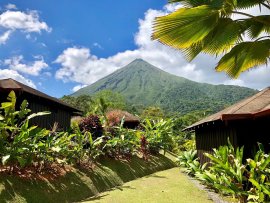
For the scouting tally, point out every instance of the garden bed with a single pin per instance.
(81, 183)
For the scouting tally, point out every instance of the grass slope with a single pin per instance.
(143, 84)
(80, 184)
(169, 186)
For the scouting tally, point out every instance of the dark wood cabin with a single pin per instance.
(245, 123)
(61, 112)
(130, 121)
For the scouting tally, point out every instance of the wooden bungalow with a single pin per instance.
(115, 116)
(61, 112)
(244, 123)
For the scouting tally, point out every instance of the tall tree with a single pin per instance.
(208, 26)
(82, 102)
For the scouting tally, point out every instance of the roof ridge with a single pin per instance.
(232, 110)
(14, 82)
(250, 99)
(30, 90)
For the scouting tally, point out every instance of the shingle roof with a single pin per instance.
(120, 114)
(256, 105)
(10, 84)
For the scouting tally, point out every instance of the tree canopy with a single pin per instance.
(87, 103)
(211, 27)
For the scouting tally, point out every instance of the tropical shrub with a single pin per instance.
(123, 143)
(226, 173)
(259, 177)
(22, 145)
(158, 134)
(91, 124)
(189, 160)
(18, 140)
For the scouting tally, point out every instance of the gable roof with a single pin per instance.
(254, 106)
(119, 114)
(10, 84)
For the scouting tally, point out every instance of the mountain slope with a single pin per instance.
(143, 84)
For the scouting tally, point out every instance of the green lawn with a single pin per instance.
(166, 186)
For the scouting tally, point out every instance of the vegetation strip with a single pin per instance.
(80, 183)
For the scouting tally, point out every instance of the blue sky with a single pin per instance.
(60, 46)
(106, 27)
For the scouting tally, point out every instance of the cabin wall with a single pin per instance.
(59, 114)
(213, 136)
(250, 132)
(245, 133)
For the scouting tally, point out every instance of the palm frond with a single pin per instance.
(184, 27)
(255, 28)
(245, 56)
(223, 37)
(246, 4)
(206, 26)
(191, 3)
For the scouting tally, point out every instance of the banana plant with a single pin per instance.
(159, 134)
(16, 135)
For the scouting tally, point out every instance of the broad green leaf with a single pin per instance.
(265, 163)
(21, 161)
(255, 183)
(38, 114)
(56, 149)
(244, 56)
(5, 159)
(5, 105)
(211, 27)
(265, 190)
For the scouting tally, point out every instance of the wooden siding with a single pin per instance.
(59, 116)
(59, 113)
(211, 137)
(245, 133)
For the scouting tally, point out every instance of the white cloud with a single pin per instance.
(6, 73)
(77, 87)
(33, 68)
(79, 65)
(28, 22)
(5, 36)
(24, 21)
(11, 6)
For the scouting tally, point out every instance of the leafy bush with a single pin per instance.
(158, 134)
(123, 144)
(227, 172)
(91, 124)
(259, 177)
(19, 142)
(22, 145)
(189, 160)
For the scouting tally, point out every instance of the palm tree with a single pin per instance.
(207, 26)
